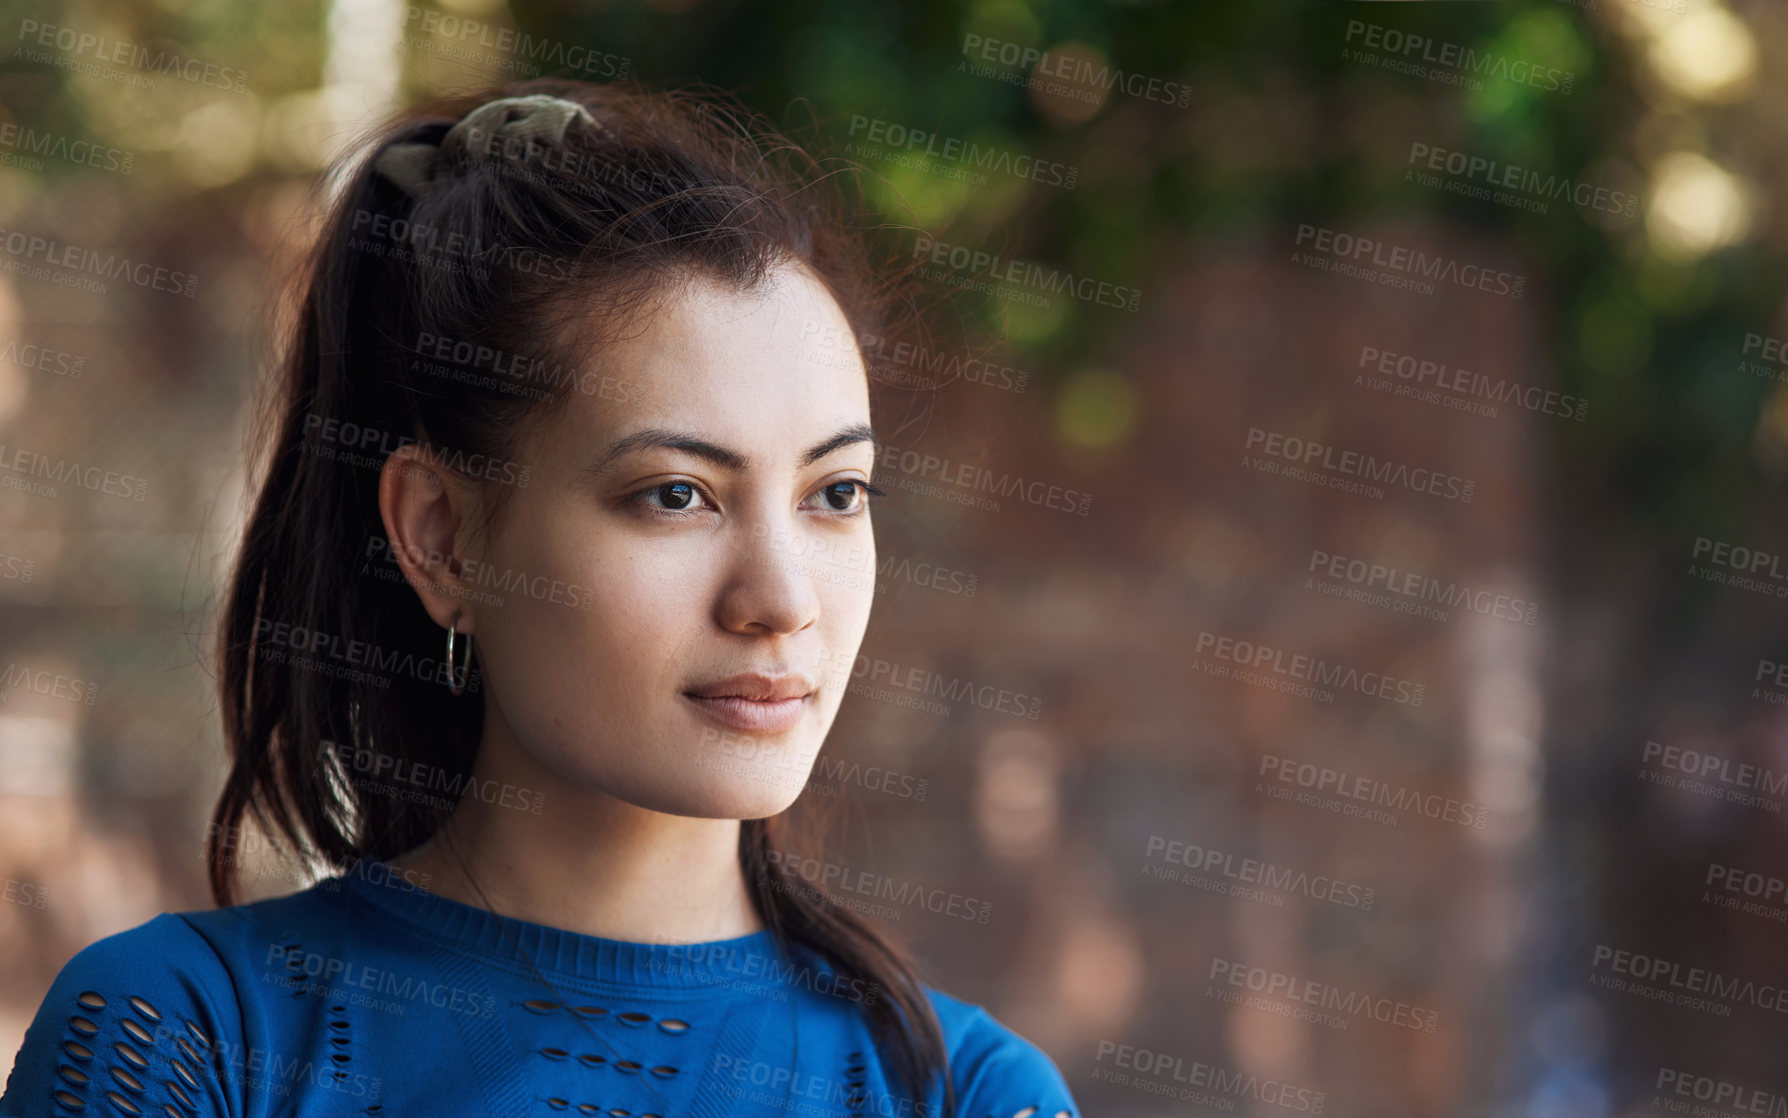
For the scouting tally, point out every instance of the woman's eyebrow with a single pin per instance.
(660, 437)
(855, 433)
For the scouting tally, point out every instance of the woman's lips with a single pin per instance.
(770, 716)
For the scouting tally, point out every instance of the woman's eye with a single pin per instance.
(843, 498)
(677, 496)
(848, 497)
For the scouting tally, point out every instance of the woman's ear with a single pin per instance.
(424, 506)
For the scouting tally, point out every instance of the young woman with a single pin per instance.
(554, 388)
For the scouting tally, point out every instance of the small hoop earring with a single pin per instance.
(456, 681)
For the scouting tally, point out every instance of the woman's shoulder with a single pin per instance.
(168, 995)
(210, 942)
(996, 1070)
(155, 995)
(125, 971)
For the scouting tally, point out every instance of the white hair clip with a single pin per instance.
(535, 118)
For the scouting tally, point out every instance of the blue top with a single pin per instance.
(366, 995)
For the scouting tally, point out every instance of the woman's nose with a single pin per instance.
(771, 583)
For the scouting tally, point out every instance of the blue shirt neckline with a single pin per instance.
(755, 958)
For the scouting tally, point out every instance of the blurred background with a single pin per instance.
(1408, 739)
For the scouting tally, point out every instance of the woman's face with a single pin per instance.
(696, 513)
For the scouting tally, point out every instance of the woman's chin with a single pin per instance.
(729, 797)
(699, 783)
(741, 803)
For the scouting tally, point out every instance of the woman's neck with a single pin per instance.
(588, 863)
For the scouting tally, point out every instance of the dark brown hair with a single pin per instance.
(523, 251)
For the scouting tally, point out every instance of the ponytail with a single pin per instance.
(893, 997)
